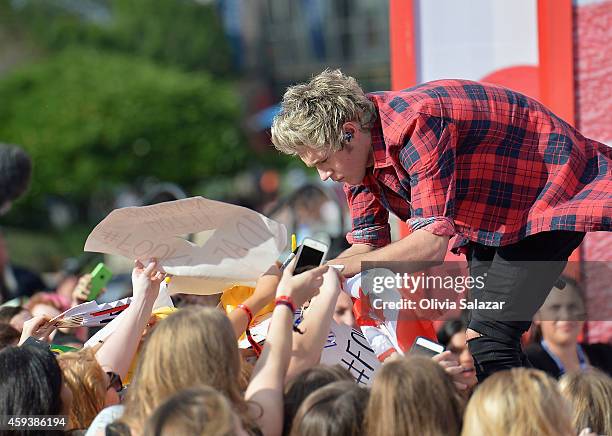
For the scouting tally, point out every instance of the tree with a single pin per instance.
(180, 33)
(91, 120)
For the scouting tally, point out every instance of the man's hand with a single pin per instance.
(410, 254)
(348, 266)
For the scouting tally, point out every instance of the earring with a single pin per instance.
(348, 136)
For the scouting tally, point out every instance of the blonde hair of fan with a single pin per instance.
(87, 382)
(518, 402)
(193, 346)
(590, 394)
(409, 396)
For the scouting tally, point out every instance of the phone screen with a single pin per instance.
(309, 258)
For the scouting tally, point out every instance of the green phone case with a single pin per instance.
(100, 276)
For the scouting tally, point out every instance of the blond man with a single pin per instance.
(512, 181)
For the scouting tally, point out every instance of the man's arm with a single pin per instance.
(355, 249)
(428, 156)
(409, 254)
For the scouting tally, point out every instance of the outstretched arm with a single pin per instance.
(307, 347)
(263, 294)
(267, 381)
(119, 349)
(404, 255)
(356, 249)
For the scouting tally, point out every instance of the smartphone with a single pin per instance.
(100, 276)
(425, 346)
(310, 255)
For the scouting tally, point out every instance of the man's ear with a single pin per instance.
(350, 135)
(351, 127)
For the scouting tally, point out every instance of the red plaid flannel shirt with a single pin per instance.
(488, 164)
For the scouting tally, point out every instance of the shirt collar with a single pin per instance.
(379, 148)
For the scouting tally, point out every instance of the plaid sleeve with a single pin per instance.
(439, 225)
(429, 158)
(369, 218)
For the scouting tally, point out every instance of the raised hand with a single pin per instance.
(146, 280)
(80, 294)
(301, 287)
(450, 363)
(37, 327)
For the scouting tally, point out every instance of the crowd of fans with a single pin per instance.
(183, 373)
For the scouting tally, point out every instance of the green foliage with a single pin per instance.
(176, 32)
(181, 33)
(91, 120)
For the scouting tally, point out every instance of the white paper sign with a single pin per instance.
(162, 300)
(345, 346)
(238, 246)
(349, 348)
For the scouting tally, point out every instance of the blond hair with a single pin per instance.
(88, 384)
(194, 346)
(312, 114)
(196, 411)
(518, 402)
(590, 394)
(413, 396)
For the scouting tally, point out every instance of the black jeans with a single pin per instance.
(520, 276)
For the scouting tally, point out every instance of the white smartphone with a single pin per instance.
(425, 346)
(310, 255)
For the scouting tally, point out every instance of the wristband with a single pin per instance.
(286, 301)
(247, 311)
(253, 342)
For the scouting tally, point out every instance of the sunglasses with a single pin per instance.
(114, 381)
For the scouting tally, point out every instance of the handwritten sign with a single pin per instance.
(237, 244)
(350, 349)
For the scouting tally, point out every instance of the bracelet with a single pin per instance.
(254, 344)
(247, 311)
(286, 301)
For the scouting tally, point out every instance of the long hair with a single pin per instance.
(410, 396)
(590, 395)
(333, 410)
(31, 384)
(87, 381)
(518, 402)
(193, 346)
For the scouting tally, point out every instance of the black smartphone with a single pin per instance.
(310, 255)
